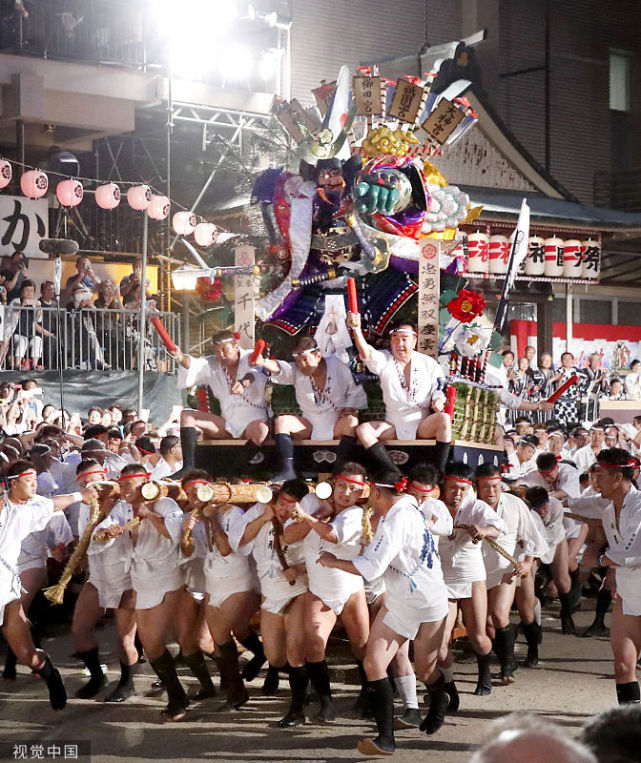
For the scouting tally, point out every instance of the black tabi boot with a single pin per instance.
(532, 633)
(344, 452)
(298, 680)
(364, 704)
(598, 627)
(503, 644)
(484, 683)
(575, 591)
(227, 662)
(10, 663)
(254, 645)
(125, 687)
(139, 648)
(51, 676)
(567, 623)
(240, 462)
(452, 693)
(285, 448)
(628, 694)
(384, 744)
(441, 454)
(318, 673)
(379, 457)
(98, 678)
(188, 441)
(439, 700)
(165, 669)
(272, 679)
(196, 663)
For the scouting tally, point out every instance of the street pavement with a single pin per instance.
(573, 682)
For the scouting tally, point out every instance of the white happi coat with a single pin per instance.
(35, 547)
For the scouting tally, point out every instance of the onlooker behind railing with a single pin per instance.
(49, 324)
(14, 274)
(130, 283)
(110, 329)
(84, 276)
(23, 328)
(86, 348)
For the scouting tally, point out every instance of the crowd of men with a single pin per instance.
(394, 556)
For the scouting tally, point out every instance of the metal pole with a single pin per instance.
(166, 267)
(569, 304)
(143, 313)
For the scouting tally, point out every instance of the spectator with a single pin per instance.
(106, 420)
(28, 330)
(114, 439)
(170, 458)
(32, 395)
(14, 275)
(109, 334)
(633, 381)
(616, 391)
(137, 429)
(116, 416)
(87, 349)
(49, 324)
(84, 276)
(94, 416)
(132, 282)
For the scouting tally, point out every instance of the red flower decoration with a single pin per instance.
(466, 305)
(209, 292)
(401, 485)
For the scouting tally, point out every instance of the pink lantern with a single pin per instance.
(139, 197)
(205, 234)
(159, 207)
(108, 196)
(184, 223)
(69, 193)
(34, 184)
(6, 173)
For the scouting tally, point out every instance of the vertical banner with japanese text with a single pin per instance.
(23, 222)
(244, 299)
(429, 290)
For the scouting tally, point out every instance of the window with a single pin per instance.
(595, 311)
(619, 81)
(629, 314)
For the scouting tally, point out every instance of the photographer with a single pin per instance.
(83, 277)
(14, 275)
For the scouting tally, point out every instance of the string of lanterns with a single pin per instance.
(34, 184)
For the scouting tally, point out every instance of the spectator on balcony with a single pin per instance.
(132, 282)
(50, 324)
(84, 276)
(87, 351)
(109, 323)
(14, 274)
(26, 318)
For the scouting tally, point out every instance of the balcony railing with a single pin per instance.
(40, 338)
(618, 190)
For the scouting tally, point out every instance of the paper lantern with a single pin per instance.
(6, 173)
(108, 196)
(535, 259)
(184, 223)
(478, 250)
(139, 197)
(572, 258)
(554, 257)
(159, 207)
(69, 193)
(205, 234)
(499, 253)
(34, 184)
(590, 259)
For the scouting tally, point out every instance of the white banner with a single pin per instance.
(23, 222)
(429, 292)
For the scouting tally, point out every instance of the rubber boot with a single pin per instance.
(298, 680)
(598, 627)
(51, 676)
(628, 694)
(452, 693)
(227, 661)
(441, 454)
(575, 591)
(254, 645)
(98, 678)
(484, 683)
(188, 441)
(503, 644)
(270, 684)
(384, 743)
(439, 700)
(344, 451)
(285, 448)
(196, 663)
(10, 663)
(240, 463)
(125, 687)
(532, 633)
(567, 623)
(318, 673)
(364, 704)
(378, 455)
(165, 669)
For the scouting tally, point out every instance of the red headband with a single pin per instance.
(348, 479)
(458, 479)
(551, 469)
(197, 482)
(22, 474)
(631, 462)
(282, 497)
(414, 486)
(131, 476)
(96, 471)
(493, 478)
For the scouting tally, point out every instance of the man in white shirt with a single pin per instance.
(523, 459)
(414, 402)
(239, 390)
(327, 396)
(584, 457)
(170, 458)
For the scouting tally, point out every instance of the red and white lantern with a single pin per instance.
(159, 207)
(535, 260)
(69, 193)
(107, 196)
(590, 259)
(478, 252)
(6, 173)
(139, 197)
(184, 223)
(205, 234)
(34, 184)
(499, 251)
(554, 257)
(572, 258)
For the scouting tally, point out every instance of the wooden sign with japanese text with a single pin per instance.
(429, 292)
(23, 222)
(442, 122)
(244, 297)
(368, 95)
(407, 101)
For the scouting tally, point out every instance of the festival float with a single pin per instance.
(367, 222)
